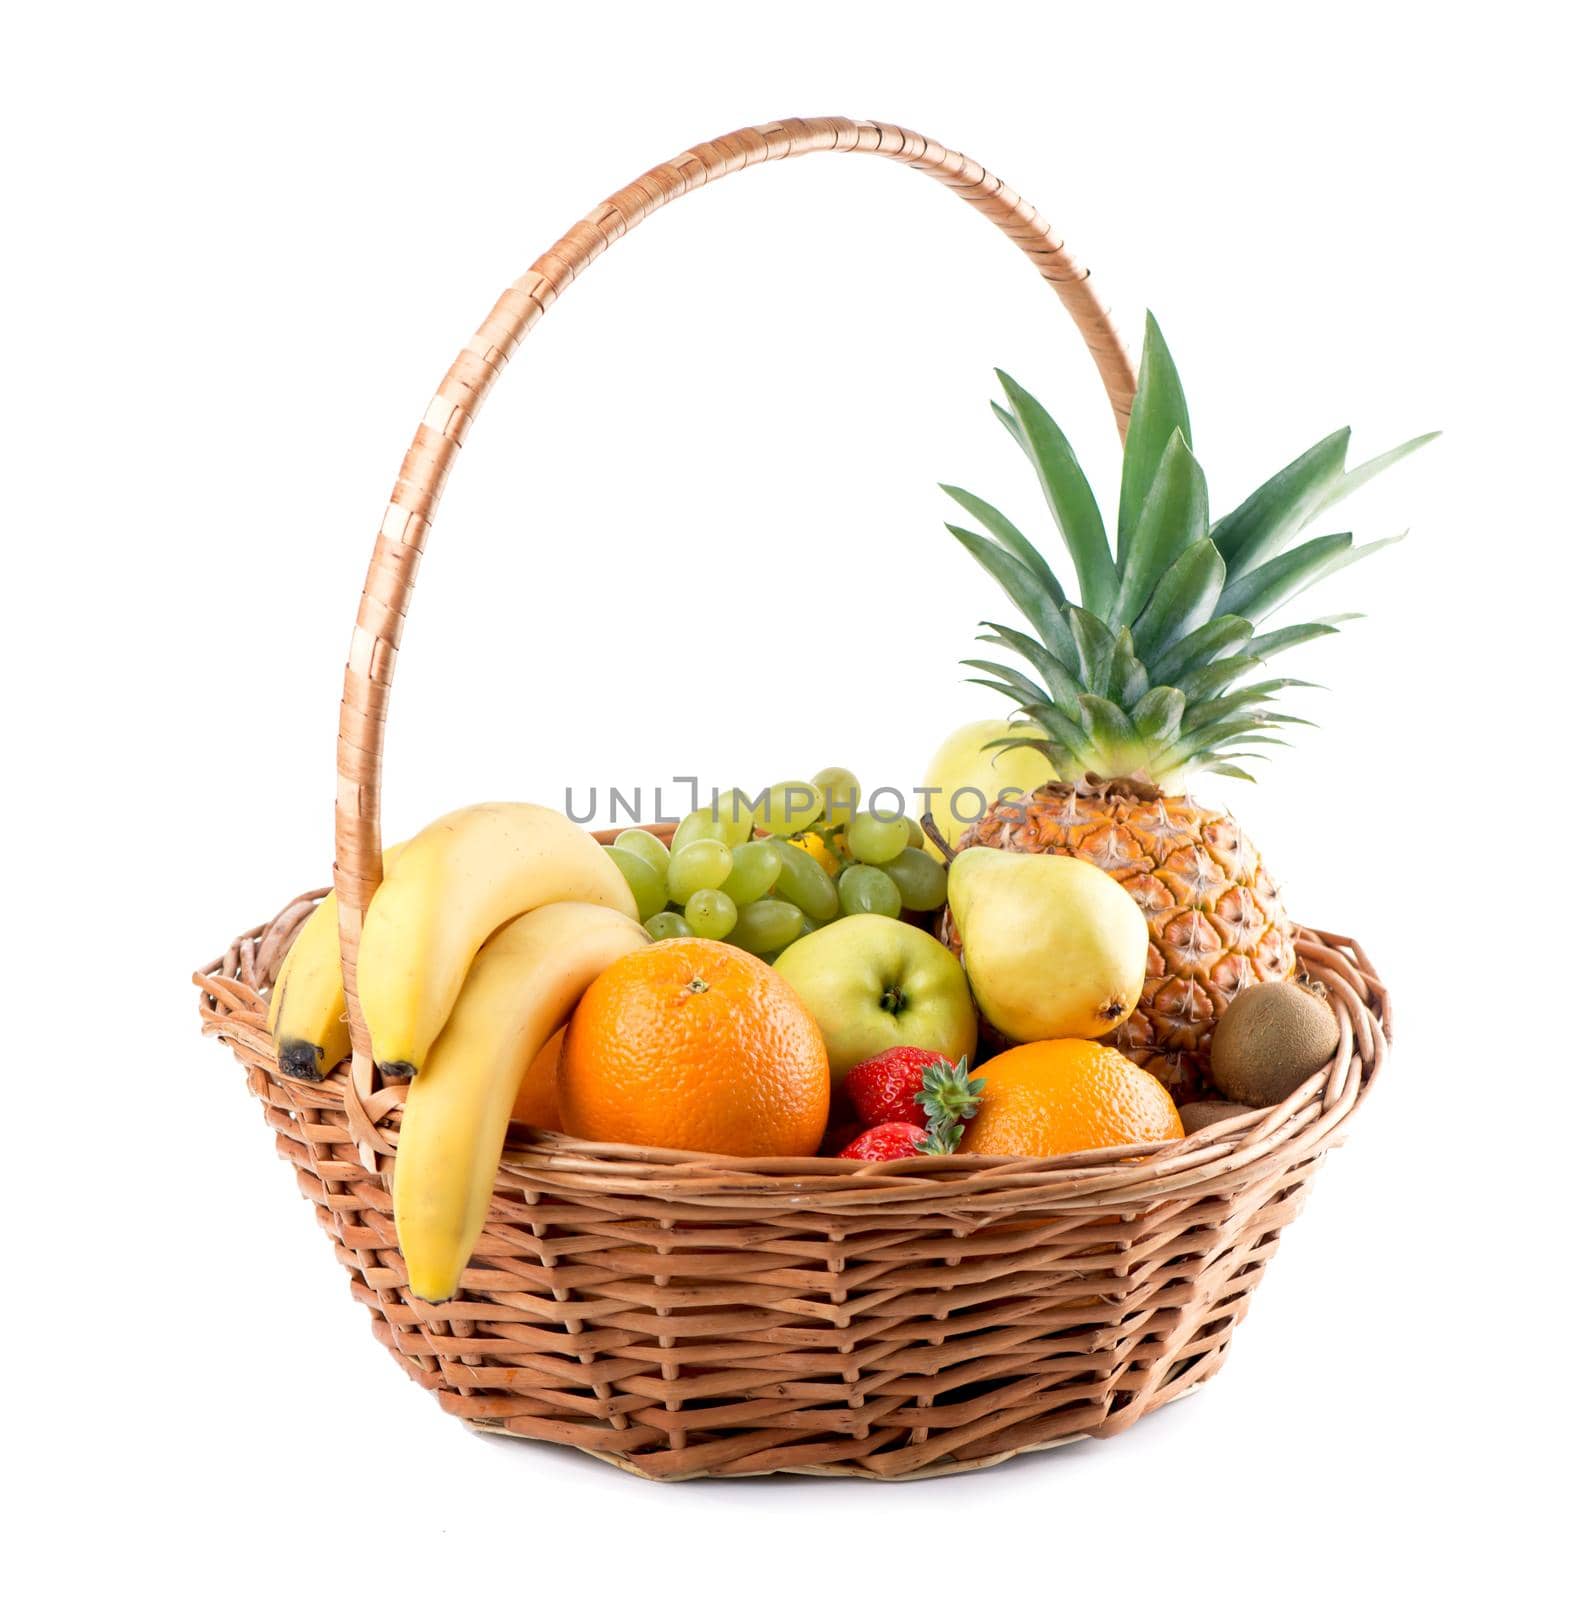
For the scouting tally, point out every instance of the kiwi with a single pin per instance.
(1200, 1113)
(1272, 1038)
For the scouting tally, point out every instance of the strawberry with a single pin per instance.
(890, 1141)
(885, 1088)
(896, 1141)
(913, 1101)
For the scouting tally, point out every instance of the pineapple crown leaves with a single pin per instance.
(949, 1099)
(1137, 672)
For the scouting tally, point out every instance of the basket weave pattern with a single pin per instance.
(686, 1315)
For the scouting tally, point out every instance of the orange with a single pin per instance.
(1060, 1095)
(536, 1099)
(693, 1045)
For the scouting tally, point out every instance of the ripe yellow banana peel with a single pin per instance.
(521, 988)
(456, 882)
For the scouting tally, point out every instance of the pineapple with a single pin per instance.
(1140, 683)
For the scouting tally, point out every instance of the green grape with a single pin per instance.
(841, 792)
(647, 886)
(700, 824)
(766, 926)
(754, 869)
(876, 840)
(703, 864)
(646, 847)
(868, 889)
(710, 913)
(805, 883)
(914, 834)
(735, 811)
(668, 925)
(920, 878)
(787, 808)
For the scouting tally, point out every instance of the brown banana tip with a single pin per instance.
(402, 1071)
(299, 1059)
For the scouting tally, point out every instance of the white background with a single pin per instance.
(696, 532)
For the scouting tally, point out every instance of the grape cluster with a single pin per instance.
(761, 874)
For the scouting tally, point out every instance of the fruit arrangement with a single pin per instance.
(807, 1135)
(796, 974)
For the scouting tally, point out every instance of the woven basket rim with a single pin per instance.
(1235, 1150)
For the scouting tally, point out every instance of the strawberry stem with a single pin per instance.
(949, 1099)
(941, 1139)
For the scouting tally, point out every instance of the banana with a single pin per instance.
(522, 986)
(456, 882)
(307, 1008)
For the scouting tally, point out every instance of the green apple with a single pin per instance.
(873, 982)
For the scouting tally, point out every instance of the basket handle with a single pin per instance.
(392, 570)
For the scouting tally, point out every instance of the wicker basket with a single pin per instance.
(686, 1315)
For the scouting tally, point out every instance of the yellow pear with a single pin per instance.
(1054, 948)
(963, 771)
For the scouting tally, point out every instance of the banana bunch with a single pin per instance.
(486, 929)
(469, 872)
